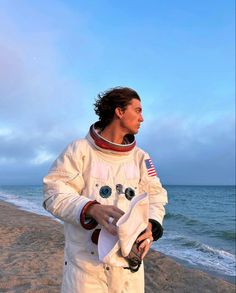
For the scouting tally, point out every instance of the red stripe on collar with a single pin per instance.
(104, 144)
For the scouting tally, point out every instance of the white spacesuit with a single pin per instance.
(94, 169)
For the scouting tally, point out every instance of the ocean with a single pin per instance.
(199, 226)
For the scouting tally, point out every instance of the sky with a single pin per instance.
(56, 56)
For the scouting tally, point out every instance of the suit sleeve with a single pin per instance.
(151, 184)
(63, 186)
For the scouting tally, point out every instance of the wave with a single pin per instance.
(33, 204)
(227, 235)
(182, 218)
(206, 229)
(217, 252)
(198, 254)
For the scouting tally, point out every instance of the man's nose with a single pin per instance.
(141, 118)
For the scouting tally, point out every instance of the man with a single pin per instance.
(91, 185)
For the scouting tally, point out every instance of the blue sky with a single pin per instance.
(56, 56)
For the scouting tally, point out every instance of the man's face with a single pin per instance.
(132, 118)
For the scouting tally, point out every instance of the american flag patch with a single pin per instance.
(150, 168)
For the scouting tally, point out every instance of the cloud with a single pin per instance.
(184, 151)
(192, 151)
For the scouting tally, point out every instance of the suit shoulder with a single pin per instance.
(77, 145)
(140, 152)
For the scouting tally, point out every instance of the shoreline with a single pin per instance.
(32, 257)
(227, 278)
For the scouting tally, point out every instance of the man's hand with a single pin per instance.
(146, 239)
(103, 213)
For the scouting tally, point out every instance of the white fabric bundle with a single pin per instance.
(113, 249)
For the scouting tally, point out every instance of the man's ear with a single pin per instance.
(119, 112)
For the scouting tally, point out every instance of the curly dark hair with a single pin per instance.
(108, 101)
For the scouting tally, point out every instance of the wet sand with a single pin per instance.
(31, 257)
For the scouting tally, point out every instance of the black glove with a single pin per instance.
(135, 257)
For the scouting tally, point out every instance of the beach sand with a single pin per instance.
(31, 257)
